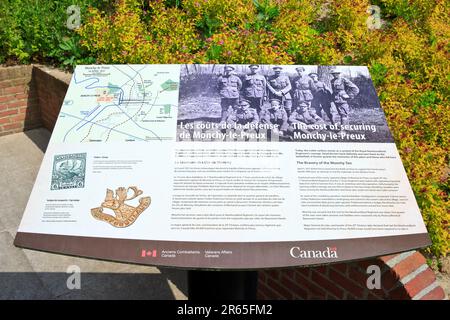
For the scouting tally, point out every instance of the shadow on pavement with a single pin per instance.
(46, 285)
(40, 137)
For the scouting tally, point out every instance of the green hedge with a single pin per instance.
(36, 31)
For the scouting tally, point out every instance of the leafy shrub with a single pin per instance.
(212, 16)
(243, 46)
(124, 37)
(36, 31)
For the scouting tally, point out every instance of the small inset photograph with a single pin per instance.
(279, 103)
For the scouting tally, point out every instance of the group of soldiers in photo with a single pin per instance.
(307, 100)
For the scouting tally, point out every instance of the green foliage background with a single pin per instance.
(408, 57)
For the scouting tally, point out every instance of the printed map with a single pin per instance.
(117, 103)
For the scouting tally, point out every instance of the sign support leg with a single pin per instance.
(222, 285)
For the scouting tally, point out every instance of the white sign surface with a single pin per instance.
(164, 164)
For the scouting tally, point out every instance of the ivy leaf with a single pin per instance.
(348, 59)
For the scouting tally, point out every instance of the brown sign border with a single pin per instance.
(244, 255)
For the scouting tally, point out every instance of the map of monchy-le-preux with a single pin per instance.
(110, 103)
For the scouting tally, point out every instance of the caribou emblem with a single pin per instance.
(125, 215)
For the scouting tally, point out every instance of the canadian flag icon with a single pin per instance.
(148, 253)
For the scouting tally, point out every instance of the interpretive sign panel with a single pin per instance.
(223, 167)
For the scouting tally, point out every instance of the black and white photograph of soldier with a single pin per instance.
(279, 87)
(277, 115)
(279, 103)
(254, 87)
(228, 86)
(322, 98)
(303, 91)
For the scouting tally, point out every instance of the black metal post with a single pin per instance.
(222, 285)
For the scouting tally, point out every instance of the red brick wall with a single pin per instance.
(30, 97)
(19, 109)
(51, 87)
(404, 276)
